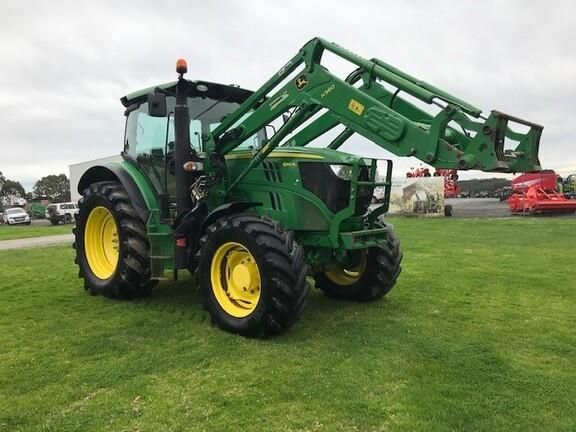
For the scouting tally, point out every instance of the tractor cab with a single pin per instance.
(149, 137)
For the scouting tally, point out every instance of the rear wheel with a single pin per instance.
(448, 210)
(371, 276)
(67, 219)
(112, 250)
(251, 275)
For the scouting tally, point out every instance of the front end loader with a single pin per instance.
(203, 187)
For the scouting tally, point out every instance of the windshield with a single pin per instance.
(15, 211)
(147, 135)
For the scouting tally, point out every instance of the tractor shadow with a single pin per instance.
(323, 316)
(173, 296)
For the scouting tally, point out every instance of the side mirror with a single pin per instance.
(157, 104)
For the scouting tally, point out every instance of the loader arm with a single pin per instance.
(378, 114)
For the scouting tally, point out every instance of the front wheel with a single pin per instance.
(372, 274)
(251, 275)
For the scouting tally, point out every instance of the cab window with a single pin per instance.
(146, 135)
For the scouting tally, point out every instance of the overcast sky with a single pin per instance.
(64, 65)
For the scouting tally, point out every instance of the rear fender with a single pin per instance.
(115, 172)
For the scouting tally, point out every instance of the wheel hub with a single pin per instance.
(235, 279)
(348, 276)
(101, 242)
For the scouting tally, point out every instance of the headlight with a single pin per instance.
(342, 171)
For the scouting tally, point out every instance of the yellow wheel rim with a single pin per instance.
(235, 279)
(101, 242)
(345, 277)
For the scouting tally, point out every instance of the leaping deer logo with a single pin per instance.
(301, 82)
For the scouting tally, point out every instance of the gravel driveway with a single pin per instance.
(36, 241)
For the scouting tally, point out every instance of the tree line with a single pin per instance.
(489, 185)
(54, 188)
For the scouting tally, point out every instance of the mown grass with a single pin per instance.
(10, 232)
(479, 335)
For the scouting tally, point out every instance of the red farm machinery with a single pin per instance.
(537, 193)
(451, 189)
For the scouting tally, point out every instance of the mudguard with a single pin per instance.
(194, 236)
(115, 172)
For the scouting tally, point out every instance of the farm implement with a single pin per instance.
(537, 193)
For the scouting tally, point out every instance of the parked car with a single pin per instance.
(16, 215)
(61, 212)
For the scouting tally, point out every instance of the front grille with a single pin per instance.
(318, 178)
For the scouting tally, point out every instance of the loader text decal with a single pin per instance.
(328, 90)
(278, 100)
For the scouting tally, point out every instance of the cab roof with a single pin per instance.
(198, 88)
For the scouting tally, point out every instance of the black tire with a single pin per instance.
(282, 272)
(26, 223)
(382, 268)
(54, 221)
(67, 219)
(448, 210)
(131, 277)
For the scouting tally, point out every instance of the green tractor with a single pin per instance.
(567, 186)
(203, 187)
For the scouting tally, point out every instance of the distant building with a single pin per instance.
(76, 171)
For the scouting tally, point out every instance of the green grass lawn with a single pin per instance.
(478, 335)
(10, 232)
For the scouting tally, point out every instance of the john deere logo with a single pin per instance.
(301, 82)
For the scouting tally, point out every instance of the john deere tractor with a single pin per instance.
(567, 186)
(252, 210)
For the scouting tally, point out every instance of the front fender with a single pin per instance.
(194, 236)
(227, 209)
